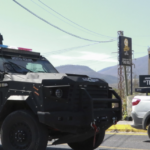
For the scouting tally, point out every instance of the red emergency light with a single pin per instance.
(24, 49)
(17, 48)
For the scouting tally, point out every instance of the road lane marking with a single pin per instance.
(106, 147)
(120, 148)
(145, 134)
(124, 127)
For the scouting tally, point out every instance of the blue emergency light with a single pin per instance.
(17, 48)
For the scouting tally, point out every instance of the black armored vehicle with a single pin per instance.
(38, 104)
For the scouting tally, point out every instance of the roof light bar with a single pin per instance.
(4, 46)
(24, 49)
(17, 48)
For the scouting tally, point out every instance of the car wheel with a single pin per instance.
(88, 144)
(22, 131)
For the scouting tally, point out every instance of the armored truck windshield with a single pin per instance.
(24, 64)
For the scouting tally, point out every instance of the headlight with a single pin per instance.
(59, 93)
(50, 92)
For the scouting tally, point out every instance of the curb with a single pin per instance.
(124, 128)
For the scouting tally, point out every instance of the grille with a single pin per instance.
(97, 92)
(93, 90)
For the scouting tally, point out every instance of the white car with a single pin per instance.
(141, 113)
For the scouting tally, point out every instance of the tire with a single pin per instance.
(22, 131)
(148, 131)
(88, 144)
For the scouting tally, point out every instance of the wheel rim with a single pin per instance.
(20, 136)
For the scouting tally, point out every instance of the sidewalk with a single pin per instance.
(124, 126)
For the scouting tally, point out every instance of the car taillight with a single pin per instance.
(135, 102)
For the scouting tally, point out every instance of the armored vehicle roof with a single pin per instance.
(19, 53)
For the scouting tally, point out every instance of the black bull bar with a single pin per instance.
(75, 122)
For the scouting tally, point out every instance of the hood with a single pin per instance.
(53, 78)
(33, 77)
(74, 79)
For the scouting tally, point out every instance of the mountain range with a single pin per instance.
(140, 67)
(84, 70)
(109, 74)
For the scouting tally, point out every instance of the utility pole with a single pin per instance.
(120, 72)
(149, 61)
(131, 77)
(126, 80)
(122, 66)
(131, 92)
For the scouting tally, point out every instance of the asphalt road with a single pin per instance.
(121, 141)
(126, 141)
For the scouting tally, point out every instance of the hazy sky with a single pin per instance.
(106, 17)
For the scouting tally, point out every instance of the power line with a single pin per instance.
(73, 48)
(140, 45)
(139, 36)
(96, 61)
(69, 49)
(57, 17)
(71, 20)
(60, 28)
(63, 20)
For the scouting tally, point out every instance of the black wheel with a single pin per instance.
(88, 144)
(22, 131)
(148, 131)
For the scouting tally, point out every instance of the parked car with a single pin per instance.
(141, 110)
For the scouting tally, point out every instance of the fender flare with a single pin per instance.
(7, 105)
(145, 120)
(23, 96)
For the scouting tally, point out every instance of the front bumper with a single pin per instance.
(64, 121)
(80, 121)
